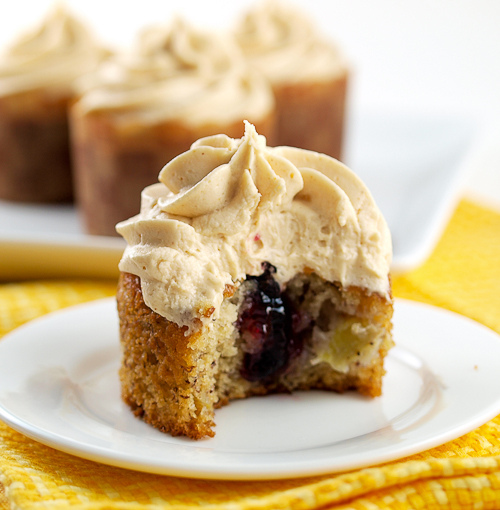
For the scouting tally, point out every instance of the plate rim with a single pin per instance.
(255, 472)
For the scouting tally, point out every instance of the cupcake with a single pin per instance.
(37, 83)
(250, 270)
(147, 106)
(307, 73)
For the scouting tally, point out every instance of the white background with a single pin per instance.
(429, 56)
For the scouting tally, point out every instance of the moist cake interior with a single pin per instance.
(311, 334)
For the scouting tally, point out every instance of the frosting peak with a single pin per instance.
(54, 54)
(186, 48)
(225, 206)
(218, 172)
(283, 43)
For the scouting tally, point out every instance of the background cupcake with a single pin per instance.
(307, 73)
(147, 106)
(37, 80)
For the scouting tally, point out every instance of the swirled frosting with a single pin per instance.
(180, 73)
(53, 55)
(227, 205)
(283, 43)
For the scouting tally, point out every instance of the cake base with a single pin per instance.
(311, 115)
(175, 381)
(34, 148)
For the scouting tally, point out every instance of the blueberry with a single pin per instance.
(272, 328)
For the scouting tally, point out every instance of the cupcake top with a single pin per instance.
(181, 73)
(283, 44)
(51, 56)
(227, 205)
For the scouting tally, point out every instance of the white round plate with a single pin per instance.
(59, 385)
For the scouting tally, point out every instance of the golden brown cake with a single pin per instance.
(250, 270)
(147, 106)
(37, 82)
(308, 74)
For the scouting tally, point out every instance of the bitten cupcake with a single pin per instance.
(308, 75)
(146, 107)
(37, 83)
(251, 270)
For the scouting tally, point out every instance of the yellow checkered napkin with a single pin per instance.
(463, 275)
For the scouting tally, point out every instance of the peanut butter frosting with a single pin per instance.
(227, 205)
(283, 43)
(180, 73)
(52, 55)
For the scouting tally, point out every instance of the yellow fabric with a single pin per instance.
(463, 275)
